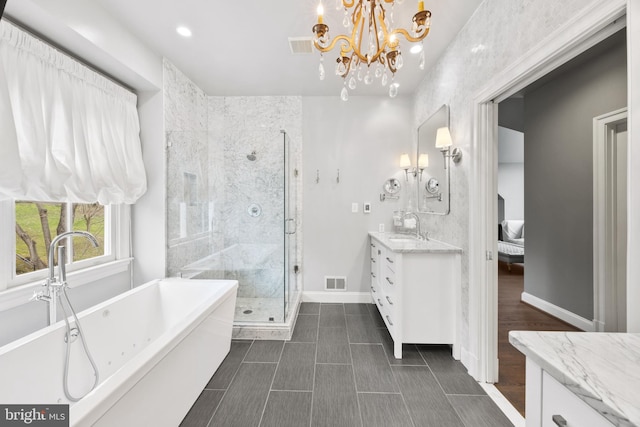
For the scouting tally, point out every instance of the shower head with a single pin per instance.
(252, 156)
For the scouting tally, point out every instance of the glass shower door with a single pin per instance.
(290, 227)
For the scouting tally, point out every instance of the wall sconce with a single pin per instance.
(444, 143)
(405, 163)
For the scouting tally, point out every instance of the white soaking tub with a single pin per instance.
(156, 347)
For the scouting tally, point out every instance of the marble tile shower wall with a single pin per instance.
(486, 50)
(189, 206)
(251, 193)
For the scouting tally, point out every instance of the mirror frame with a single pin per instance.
(419, 186)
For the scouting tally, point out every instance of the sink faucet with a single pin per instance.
(54, 285)
(414, 215)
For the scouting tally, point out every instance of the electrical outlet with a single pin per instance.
(381, 228)
(354, 207)
(366, 207)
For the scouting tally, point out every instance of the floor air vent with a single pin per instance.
(335, 283)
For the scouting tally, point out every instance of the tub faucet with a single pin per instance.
(414, 215)
(53, 285)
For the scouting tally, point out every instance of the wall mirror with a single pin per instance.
(432, 183)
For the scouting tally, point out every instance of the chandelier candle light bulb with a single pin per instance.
(382, 46)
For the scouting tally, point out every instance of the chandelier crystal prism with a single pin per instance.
(371, 47)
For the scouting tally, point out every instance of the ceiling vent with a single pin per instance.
(301, 45)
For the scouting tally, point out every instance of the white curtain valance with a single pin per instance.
(67, 134)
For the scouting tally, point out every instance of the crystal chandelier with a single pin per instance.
(372, 48)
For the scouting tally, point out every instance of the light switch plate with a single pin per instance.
(354, 207)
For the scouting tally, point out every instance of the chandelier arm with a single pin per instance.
(346, 3)
(333, 43)
(375, 32)
(408, 37)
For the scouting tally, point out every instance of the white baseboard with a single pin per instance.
(559, 312)
(337, 297)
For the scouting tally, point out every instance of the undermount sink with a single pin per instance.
(403, 239)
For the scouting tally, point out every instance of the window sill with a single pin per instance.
(20, 295)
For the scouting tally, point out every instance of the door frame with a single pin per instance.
(593, 24)
(604, 283)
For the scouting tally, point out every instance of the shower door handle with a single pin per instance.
(286, 221)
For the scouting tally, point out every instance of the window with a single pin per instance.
(38, 223)
(24, 258)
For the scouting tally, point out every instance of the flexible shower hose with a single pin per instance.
(65, 380)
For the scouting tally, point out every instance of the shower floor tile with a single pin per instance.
(259, 310)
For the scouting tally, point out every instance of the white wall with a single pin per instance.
(511, 172)
(363, 138)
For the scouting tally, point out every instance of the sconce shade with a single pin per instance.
(443, 138)
(423, 161)
(405, 162)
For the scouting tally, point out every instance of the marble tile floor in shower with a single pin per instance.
(259, 310)
(338, 371)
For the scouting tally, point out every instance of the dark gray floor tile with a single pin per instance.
(309, 308)
(295, 370)
(371, 369)
(378, 321)
(424, 397)
(306, 329)
(223, 376)
(479, 411)
(201, 412)
(245, 400)
(383, 410)
(287, 409)
(439, 358)
(332, 320)
(451, 373)
(333, 346)
(335, 402)
(357, 308)
(331, 308)
(361, 330)
(264, 351)
(410, 354)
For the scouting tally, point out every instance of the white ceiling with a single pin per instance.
(241, 47)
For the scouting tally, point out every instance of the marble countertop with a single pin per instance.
(404, 243)
(603, 369)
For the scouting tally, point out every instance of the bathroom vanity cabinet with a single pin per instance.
(416, 286)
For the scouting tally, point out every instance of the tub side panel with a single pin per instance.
(164, 396)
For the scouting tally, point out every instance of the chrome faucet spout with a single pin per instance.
(53, 285)
(414, 215)
(54, 242)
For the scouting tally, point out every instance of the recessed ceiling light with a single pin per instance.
(416, 48)
(183, 31)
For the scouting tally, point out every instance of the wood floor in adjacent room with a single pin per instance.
(514, 315)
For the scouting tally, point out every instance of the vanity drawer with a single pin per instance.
(390, 260)
(388, 281)
(560, 403)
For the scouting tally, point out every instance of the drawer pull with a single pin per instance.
(373, 274)
(373, 246)
(380, 302)
(379, 251)
(390, 282)
(390, 260)
(389, 320)
(373, 260)
(559, 420)
(373, 289)
(390, 303)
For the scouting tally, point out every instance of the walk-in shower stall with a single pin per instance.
(247, 229)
